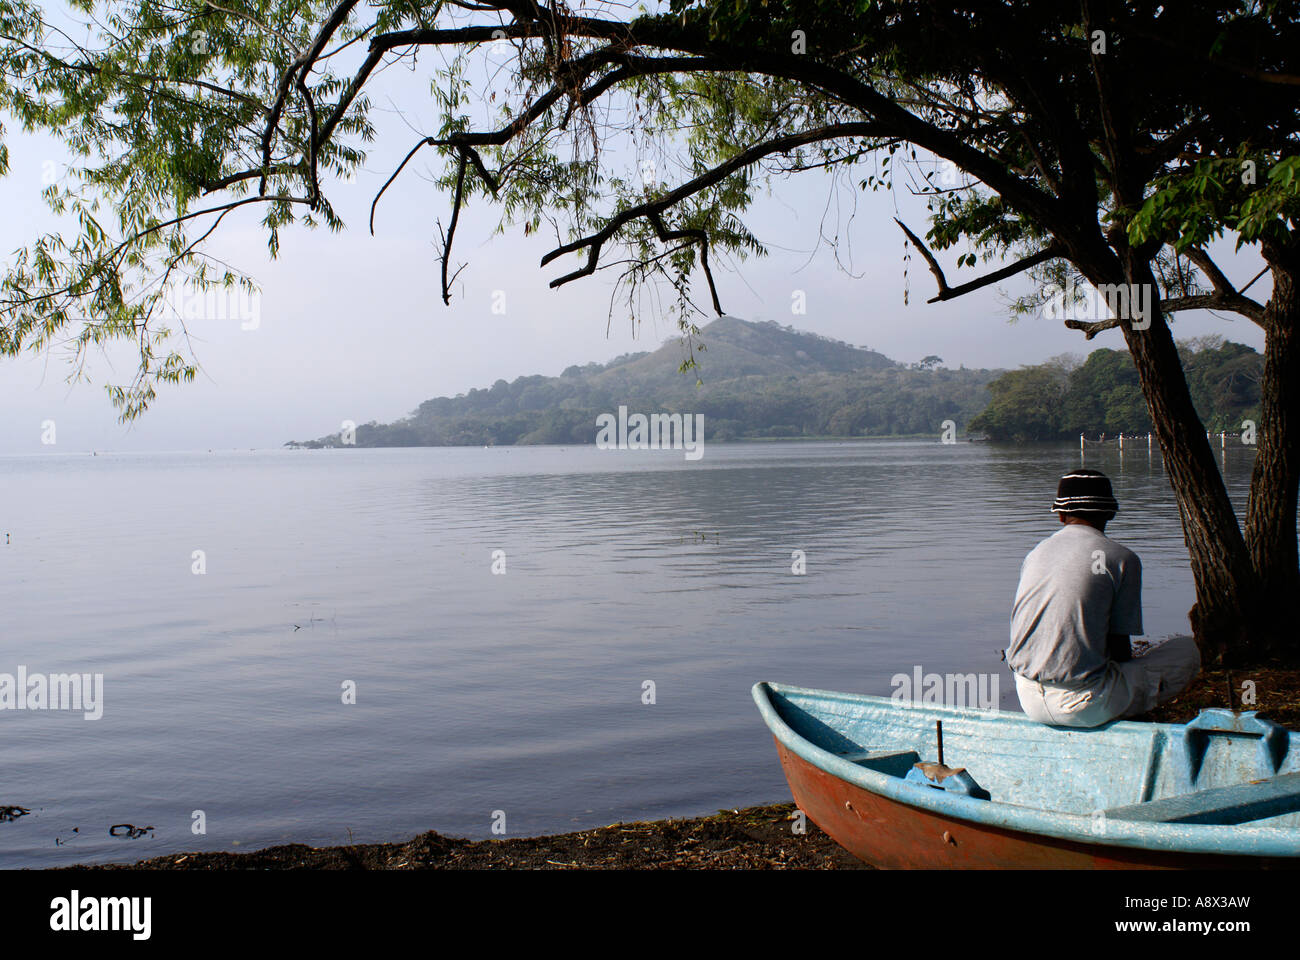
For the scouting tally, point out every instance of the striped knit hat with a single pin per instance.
(1084, 491)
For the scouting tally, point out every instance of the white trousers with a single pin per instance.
(1124, 690)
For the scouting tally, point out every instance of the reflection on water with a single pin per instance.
(477, 691)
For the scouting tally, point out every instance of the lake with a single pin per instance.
(515, 695)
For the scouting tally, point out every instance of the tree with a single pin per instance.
(1018, 118)
(1104, 396)
(1223, 377)
(1026, 405)
(1059, 399)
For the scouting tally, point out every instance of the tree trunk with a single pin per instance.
(1275, 482)
(1221, 565)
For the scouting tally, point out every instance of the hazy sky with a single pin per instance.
(353, 327)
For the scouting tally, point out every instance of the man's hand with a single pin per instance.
(1118, 648)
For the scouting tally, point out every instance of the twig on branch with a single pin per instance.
(492, 182)
(1049, 252)
(488, 178)
(1254, 278)
(427, 141)
(311, 141)
(451, 228)
(698, 236)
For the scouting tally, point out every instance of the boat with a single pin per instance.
(917, 785)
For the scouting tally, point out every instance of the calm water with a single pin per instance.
(478, 692)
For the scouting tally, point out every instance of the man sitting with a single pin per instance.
(1078, 602)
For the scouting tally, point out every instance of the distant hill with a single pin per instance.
(758, 380)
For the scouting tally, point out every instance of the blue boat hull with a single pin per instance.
(1220, 792)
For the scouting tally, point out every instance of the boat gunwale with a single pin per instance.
(1235, 839)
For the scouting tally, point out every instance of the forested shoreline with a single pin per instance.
(1064, 397)
(765, 381)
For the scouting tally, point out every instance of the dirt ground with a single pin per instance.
(752, 838)
(1276, 693)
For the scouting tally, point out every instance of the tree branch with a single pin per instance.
(1091, 328)
(451, 228)
(1049, 252)
(595, 241)
(301, 63)
(660, 33)
(56, 63)
(1225, 296)
(700, 237)
(1215, 301)
(311, 140)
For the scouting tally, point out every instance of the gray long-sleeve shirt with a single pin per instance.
(1076, 587)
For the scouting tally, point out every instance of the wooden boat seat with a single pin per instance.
(1239, 803)
(895, 764)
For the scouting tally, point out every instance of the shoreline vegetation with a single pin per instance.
(762, 381)
(750, 838)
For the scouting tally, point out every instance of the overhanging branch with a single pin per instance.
(594, 242)
(1225, 296)
(297, 71)
(696, 236)
(1049, 252)
(451, 228)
